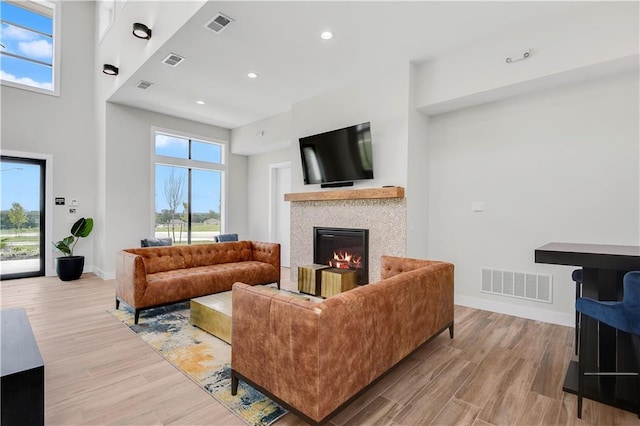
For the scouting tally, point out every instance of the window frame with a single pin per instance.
(188, 164)
(43, 6)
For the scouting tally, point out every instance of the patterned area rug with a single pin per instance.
(203, 358)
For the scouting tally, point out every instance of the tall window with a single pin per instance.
(189, 177)
(27, 45)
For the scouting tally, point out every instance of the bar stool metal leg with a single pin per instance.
(576, 276)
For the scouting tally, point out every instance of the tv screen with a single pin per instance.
(342, 155)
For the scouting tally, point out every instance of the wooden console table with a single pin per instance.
(603, 268)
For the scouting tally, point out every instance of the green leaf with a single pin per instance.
(63, 247)
(82, 228)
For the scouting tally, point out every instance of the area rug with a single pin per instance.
(203, 358)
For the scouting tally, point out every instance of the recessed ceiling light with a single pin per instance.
(200, 102)
(326, 35)
(252, 75)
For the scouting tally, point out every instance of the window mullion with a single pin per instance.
(189, 180)
(33, 30)
(44, 8)
(24, 58)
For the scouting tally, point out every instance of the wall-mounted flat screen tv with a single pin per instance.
(338, 157)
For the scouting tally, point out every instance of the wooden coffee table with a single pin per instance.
(212, 313)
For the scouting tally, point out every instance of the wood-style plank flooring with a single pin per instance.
(498, 370)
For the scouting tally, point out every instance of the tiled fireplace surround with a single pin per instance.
(385, 219)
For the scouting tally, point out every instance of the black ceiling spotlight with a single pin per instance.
(141, 31)
(109, 69)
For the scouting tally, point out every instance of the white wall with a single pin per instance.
(271, 134)
(120, 48)
(383, 102)
(417, 175)
(559, 165)
(601, 39)
(129, 193)
(62, 126)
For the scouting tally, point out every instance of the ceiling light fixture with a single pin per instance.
(326, 35)
(200, 102)
(252, 75)
(141, 31)
(109, 69)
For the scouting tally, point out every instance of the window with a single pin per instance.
(106, 10)
(28, 48)
(189, 176)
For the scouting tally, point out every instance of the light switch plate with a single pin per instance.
(477, 206)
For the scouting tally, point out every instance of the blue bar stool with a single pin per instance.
(576, 276)
(623, 316)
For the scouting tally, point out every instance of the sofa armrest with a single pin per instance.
(275, 344)
(131, 278)
(267, 253)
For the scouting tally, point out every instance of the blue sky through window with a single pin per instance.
(19, 183)
(27, 46)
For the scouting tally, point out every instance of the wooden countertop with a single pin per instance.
(602, 256)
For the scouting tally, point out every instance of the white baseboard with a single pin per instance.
(104, 275)
(516, 310)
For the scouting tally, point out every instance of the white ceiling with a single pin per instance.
(280, 41)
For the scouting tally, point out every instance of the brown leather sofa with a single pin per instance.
(156, 276)
(315, 358)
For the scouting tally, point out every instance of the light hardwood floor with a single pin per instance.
(498, 370)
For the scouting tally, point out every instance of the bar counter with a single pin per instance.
(603, 268)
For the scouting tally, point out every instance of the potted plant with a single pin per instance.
(69, 267)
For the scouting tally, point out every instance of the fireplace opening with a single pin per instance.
(344, 248)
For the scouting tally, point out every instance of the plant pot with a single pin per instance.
(69, 268)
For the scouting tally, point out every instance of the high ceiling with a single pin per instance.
(280, 41)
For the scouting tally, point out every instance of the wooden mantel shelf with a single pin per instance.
(347, 194)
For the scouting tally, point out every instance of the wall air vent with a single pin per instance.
(521, 285)
(218, 23)
(143, 84)
(173, 60)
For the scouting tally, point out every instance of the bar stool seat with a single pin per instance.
(623, 316)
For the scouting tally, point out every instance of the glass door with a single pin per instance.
(22, 213)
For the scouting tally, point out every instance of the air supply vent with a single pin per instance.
(521, 285)
(218, 23)
(173, 60)
(143, 84)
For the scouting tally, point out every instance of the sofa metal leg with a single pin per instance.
(136, 316)
(234, 383)
(117, 303)
(451, 331)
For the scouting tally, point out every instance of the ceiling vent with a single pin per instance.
(144, 84)
(218, 23)
(173, 60)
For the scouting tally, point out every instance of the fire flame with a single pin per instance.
(345, 260)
